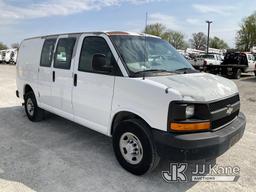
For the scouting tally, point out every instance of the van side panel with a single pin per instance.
(28, 64)
(141, 97)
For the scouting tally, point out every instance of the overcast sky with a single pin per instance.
(21, 19)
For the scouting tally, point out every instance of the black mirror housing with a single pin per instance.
(99, 64)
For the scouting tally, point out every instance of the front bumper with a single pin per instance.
(203, 145)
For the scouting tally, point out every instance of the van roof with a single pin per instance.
(109, 33)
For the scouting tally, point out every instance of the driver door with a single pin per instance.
(93, 90)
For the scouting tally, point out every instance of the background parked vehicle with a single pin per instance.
(201, 61)
(211, 59)
(234, 64)
(1, 56)
(13, 56)
(8, 56)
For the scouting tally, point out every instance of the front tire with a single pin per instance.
(134, 148)
(34, 113)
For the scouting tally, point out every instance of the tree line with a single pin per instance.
(14, 45)
(177, 39)
(245, 37)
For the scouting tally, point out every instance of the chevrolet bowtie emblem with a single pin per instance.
(229, 109)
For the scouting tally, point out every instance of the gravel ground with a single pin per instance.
(61, 156)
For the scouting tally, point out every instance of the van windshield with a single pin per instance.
(149, 54)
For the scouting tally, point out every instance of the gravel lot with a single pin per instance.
(61, 156)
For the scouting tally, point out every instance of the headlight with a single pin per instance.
(188, 116)
(190, 111)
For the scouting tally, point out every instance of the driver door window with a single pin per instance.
(93, 46)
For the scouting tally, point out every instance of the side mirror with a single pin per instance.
(99, 64)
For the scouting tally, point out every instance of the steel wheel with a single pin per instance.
(30, 107)
(131, 148)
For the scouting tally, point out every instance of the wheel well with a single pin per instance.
(121, 116)
(27, 89)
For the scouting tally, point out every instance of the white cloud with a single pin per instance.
(57, 7)
(167, 20)
(193, 21)
(218, 9)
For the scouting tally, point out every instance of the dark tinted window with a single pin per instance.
(92, 46)
(47, 52)
(64, 52)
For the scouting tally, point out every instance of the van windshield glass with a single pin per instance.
(148, 54)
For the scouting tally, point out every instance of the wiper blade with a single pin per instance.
(152, 70)
(185, 70)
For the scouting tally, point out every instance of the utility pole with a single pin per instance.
(208, 36)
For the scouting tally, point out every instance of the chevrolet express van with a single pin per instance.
(135, 88)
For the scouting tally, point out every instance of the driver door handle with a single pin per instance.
(53, 76)
(75, 80)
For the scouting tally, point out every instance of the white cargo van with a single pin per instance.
(134, 88)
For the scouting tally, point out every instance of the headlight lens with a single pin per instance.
(190, 111)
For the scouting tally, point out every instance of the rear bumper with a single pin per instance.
(203, 145)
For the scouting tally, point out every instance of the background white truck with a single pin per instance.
(206, 59)
(8, 56)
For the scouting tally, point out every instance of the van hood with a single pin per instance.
(198, 86)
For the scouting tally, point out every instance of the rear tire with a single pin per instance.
(134, 148)
(34, 113)
(237, 74)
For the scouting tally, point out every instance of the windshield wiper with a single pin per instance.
(185, 70)
(151, 70)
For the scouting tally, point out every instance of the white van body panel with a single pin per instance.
(28, 65)
(199, 86)
(145, 98)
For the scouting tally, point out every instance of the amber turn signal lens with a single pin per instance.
(190, 126)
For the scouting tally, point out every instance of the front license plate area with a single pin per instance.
(234, 140)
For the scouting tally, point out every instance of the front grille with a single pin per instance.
(223, 118)
(223, 121)
(223, 103)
